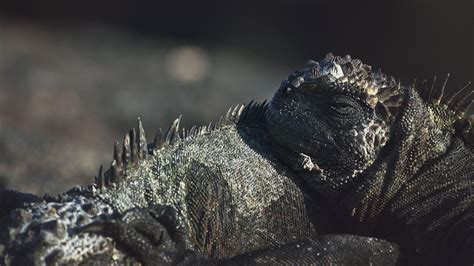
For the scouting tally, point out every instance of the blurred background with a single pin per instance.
(75, 75)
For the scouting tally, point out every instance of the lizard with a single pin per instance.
(235, 199)
(397, 163)
(267, 208)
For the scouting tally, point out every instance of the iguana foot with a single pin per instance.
(154, 235)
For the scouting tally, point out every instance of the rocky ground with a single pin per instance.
(67, 94)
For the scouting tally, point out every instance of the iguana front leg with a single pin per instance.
(156, 237)
(153, 235)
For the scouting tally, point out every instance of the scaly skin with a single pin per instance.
(231, 201)
(398, 165)
(235, 188)
(224, 182)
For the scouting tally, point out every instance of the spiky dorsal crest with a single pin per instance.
(457, 103)
(127, 153)
(240, 114)
(133, 149)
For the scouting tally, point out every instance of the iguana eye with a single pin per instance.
(342, 108)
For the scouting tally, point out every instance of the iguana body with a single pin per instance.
(229, 190)
(240, 200)
(227, 186)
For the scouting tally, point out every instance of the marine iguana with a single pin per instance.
(332, 68)
(398, 162)
(211, 194)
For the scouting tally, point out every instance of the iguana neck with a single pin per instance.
(417, 139)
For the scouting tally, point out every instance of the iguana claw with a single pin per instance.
(154, 235)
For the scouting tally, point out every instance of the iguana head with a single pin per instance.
(332, 118)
